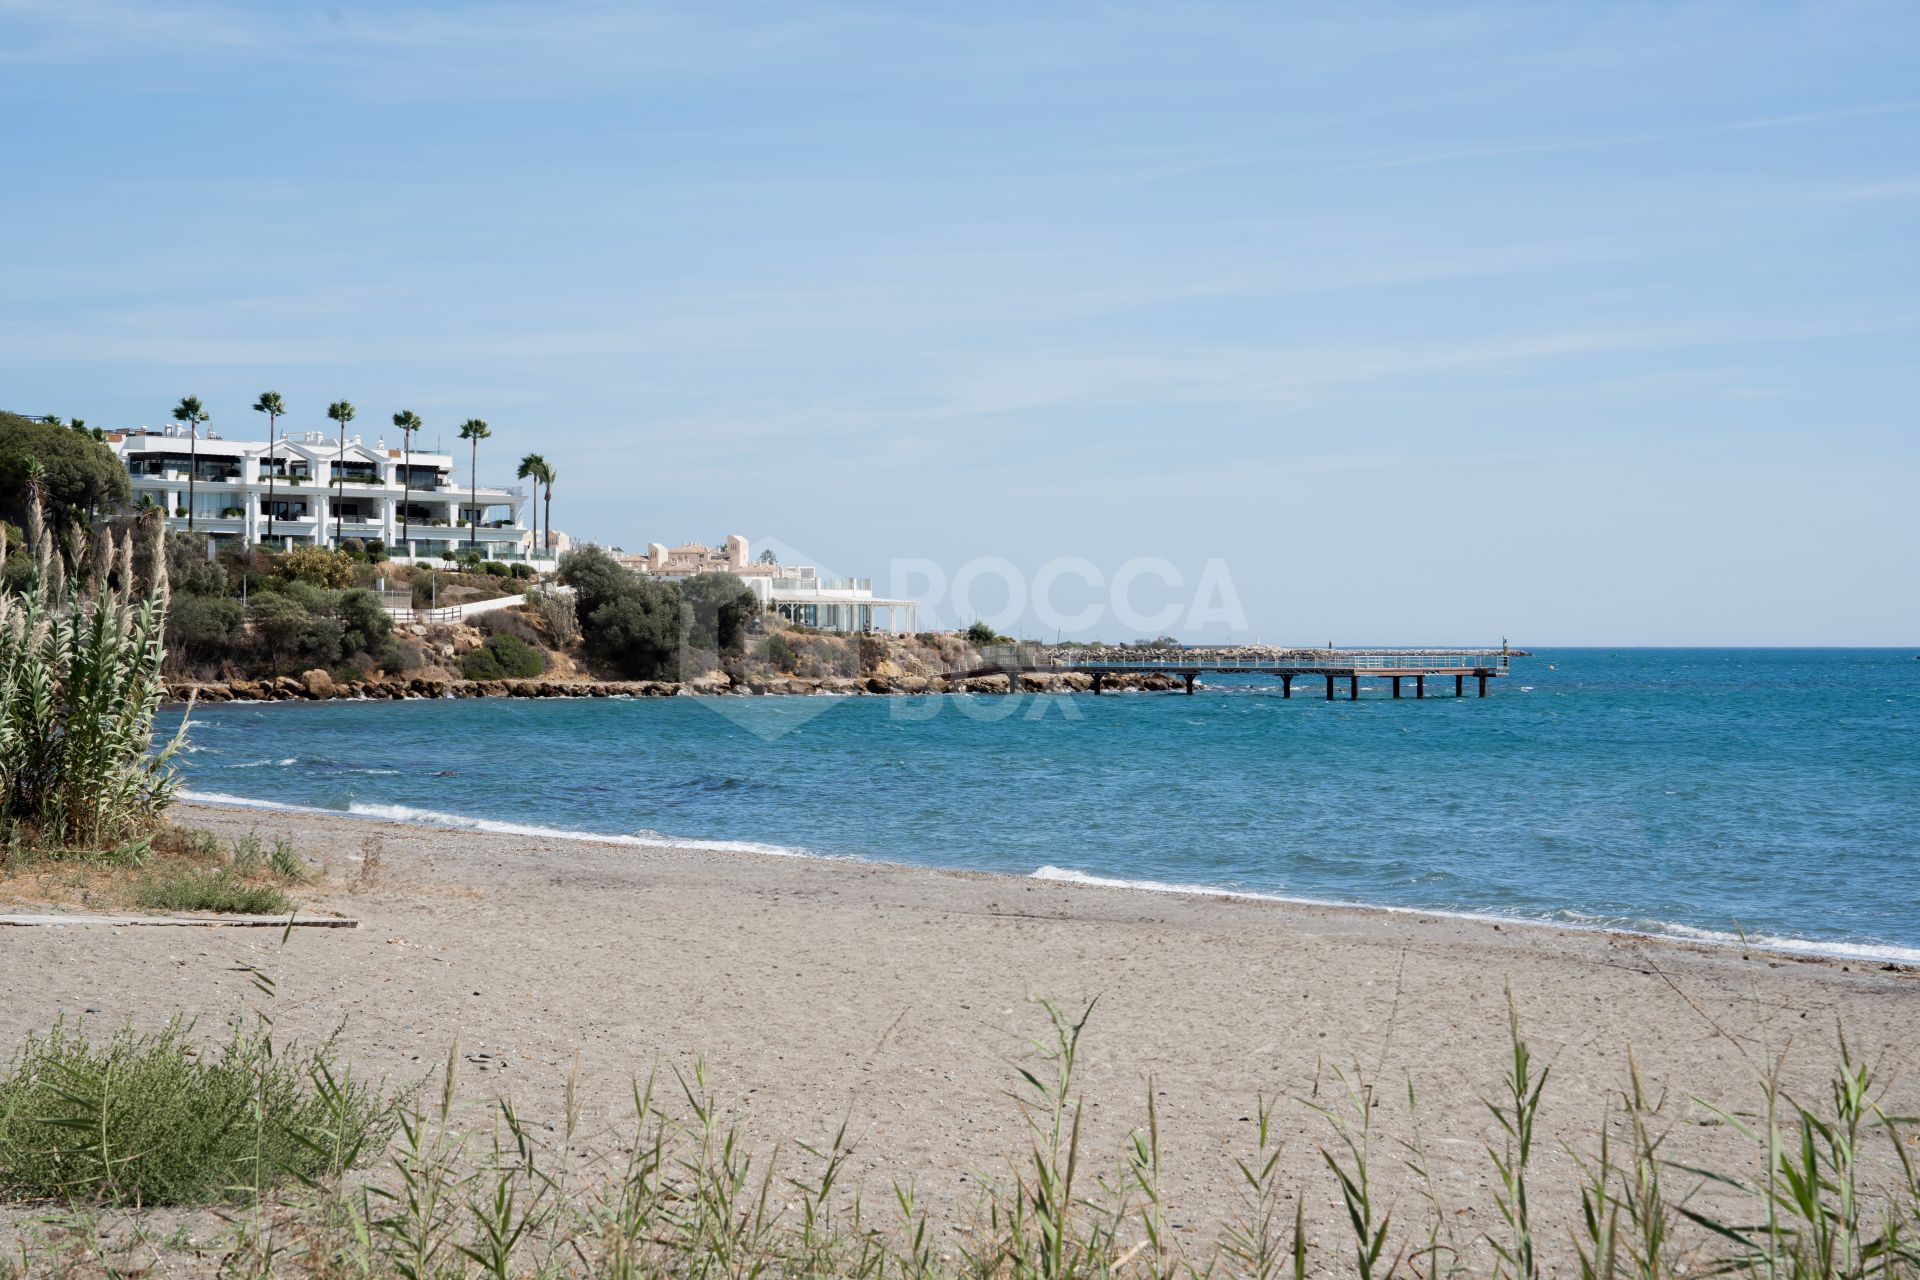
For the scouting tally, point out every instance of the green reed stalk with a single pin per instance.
(80, 685)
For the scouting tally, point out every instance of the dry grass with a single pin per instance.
(183, 869)
(1828, 1191)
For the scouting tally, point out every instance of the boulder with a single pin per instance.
(318, 683)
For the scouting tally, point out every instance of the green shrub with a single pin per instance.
(495, 569)
(156, 1120)
(980, 634)
(717, 609)
(505, 656)
(627, 622)
(396, 656)
(175, 888)
(190, 571)
(324, 641)
(637, 633)
(780, 653)
(516, 657)
(554, 614)
(279, 622)
(480, 664)
(205, 628)
(376, 551)
(319, 566)
(522, 570)
(368, 625)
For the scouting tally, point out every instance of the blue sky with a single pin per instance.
(1578, 324)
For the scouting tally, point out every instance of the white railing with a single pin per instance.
(456, 612)
(1317, 660)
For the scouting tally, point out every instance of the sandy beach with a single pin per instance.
(895, 999)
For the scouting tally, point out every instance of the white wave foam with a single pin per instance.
(1066, 875)
(434, 818)
(1874, 951)
(1864, 951)
(264, 764)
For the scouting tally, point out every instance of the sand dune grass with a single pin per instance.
(1830, 1189)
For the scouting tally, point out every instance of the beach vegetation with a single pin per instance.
(172, 887)
(1827, 1188)
(504, 656)
(160, 1118)
(80, 663)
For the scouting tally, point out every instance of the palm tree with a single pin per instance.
(474, 430)
(273, 406)
(341, 411)
(193, 413)
(534, 467)
(409, 422)
(548, 477)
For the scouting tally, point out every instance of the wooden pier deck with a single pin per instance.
(1331, 665)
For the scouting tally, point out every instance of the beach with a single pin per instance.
(896, 999)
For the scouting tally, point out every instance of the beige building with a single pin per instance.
(796, 592)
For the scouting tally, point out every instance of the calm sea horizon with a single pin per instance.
(1716, 794)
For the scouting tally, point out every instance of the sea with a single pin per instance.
(1766, 798)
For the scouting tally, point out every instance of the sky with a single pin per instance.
(1422, 323)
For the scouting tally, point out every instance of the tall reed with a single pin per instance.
(80, 650)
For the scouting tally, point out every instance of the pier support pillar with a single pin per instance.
(1353, 688)
(1286, 686)
(1419, 686)
(1096, 684)
(1329, 688)
(1459, 685)
(1396, 686)
(1483, 684)
(1190, 679)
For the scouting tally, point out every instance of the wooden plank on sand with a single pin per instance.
(207, 922)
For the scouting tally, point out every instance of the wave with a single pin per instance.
(435, 818)
(1886, 953)
(1658, 930)
(263, 764)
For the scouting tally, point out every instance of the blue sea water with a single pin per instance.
(1771, 794)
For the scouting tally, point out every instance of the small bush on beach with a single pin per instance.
(157, 1120)
(174, 888)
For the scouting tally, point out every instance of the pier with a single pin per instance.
(1404, 667)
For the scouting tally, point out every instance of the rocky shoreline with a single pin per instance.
(318, 686)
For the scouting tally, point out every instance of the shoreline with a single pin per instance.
(1891, 956)
(319, 686)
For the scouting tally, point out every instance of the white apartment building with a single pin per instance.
(305, 490)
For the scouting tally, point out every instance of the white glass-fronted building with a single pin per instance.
(305, 490)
